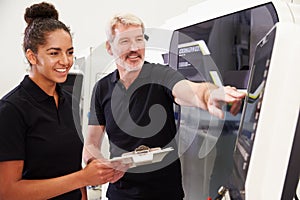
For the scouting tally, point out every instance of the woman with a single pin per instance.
(40, 147)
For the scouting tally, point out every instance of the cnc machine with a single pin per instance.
(253, 45)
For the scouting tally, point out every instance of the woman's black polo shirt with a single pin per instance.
(141, 115)
(45, 137)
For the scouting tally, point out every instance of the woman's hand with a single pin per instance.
(101, 171)
(98, 172)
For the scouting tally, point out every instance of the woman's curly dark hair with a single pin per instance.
(41, 19)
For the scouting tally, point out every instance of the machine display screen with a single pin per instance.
(251, 111)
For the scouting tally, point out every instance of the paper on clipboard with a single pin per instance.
(138, 159)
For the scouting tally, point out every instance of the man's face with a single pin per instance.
(128, 47)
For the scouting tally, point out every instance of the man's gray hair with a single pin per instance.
(126, 19)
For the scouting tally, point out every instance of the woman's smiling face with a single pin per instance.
(54, 59)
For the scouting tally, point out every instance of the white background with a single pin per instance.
(86, 19)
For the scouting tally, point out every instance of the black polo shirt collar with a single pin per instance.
(36, 92)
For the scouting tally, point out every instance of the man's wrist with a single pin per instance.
(208, 91)
(90, 160)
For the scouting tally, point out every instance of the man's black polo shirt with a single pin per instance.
(45, 137)
(141, 115)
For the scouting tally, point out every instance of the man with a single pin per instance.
(134, 105)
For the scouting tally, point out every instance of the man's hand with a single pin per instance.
(216, 98)
(120, 169)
